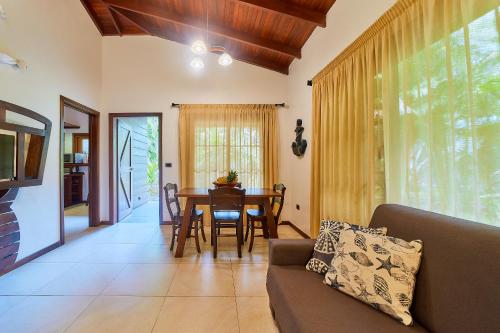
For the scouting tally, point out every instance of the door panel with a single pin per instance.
(125, 170)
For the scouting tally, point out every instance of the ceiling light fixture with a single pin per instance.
(199, 47)
(225, 59)
(197, 63)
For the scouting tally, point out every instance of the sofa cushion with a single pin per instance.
(378, 270)
(324, 249)
(302, 303)
(457, 285)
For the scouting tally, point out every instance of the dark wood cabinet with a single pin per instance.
(73, 189)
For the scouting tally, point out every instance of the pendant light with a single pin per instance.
(197, 63)
(199, 47)
(225, 59)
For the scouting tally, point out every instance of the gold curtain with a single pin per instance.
(430, 69)
(347, 173)
(216, 138)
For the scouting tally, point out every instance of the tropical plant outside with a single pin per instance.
(152, 153)
(450, 123)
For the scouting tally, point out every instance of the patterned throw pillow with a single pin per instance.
(324, 249)
(378, 270)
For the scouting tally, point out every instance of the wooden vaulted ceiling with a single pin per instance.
(266, 33)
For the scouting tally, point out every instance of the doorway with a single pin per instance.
(79, 181)
(135, 168)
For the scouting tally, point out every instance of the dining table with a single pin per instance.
(199, 196)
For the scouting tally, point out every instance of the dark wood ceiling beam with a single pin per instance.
(146, 8)
(116, 24)
(154, 30)
(289, 9)
(117, 13)
(92, 15)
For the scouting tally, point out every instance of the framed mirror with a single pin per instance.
(24, 141)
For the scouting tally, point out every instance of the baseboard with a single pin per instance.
(105, 223)
(297, 229)
(31, 257)
(166, 223)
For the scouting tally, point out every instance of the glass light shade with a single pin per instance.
(199, 47)
(197, 63)
(225, 59)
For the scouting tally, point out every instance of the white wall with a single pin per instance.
(346, 21)
(147, 74)
(62, 48)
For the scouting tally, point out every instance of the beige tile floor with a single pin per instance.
(123, 278)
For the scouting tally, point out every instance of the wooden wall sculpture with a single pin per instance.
(9, 229)
(24, 142)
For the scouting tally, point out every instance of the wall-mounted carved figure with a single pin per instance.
(299, 145)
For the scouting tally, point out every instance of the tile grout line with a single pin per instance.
(165, 298)
(159, 313)
(80, 314)
(235, 300)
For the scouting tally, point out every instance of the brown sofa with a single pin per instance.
(458, 285)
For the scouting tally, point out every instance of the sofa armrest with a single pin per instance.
(284, 252)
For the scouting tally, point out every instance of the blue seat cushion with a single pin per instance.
(227, 216)
(256, 212)
(197, 212)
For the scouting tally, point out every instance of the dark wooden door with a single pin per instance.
(124, 169)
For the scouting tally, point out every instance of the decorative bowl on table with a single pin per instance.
(231, 180)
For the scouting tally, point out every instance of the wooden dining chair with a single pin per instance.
(238, 185)
(175, 212)
(257, 219)
(226, 209)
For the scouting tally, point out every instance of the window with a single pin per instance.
(449, 123)
(220, 149)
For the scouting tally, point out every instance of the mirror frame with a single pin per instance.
(21, 131)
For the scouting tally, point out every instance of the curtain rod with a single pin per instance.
(281, 105)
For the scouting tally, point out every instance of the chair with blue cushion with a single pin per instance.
(257, 219)
(226, 209)
(175, 212)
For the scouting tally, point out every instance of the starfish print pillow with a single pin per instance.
(378, 270)
(324, 249)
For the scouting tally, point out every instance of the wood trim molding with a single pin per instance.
(70, 126)
(31, 257)
(297, 229)
(3, 113)
(111, 157)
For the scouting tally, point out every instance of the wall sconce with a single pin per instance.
(6, 59)
(3, 14)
